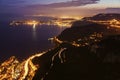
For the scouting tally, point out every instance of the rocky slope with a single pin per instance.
(82, 63)
(97, 57)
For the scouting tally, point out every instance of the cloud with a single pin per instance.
(53, 7)
(27, 6)
(115, 10)
(67, 4)
(11, 2)
(73, 3)
(75, 8)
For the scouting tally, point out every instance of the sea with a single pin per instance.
(24, 40)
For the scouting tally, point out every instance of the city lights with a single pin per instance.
(59, 22)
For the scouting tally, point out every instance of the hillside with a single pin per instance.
(96, 58)
(87, 27)
(82, 63)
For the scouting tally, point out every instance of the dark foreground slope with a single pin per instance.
(98, 57)
(82, 63)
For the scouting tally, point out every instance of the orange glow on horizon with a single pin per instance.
(33, 22)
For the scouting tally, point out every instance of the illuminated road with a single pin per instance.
(58, 41)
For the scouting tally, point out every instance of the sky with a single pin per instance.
(59, 7)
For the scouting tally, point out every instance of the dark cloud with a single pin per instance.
(115, 10)
(73, 3)
(51, 8)
(26, 6)
(11, 2)
(67, 3)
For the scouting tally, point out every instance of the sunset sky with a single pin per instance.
(59, 7)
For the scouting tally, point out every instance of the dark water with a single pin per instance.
(23, 41)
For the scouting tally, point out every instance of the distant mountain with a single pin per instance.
(113, 10)
(104, 16)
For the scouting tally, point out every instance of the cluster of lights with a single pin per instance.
(112, 23)
(68, 17)
(12, 69)
(60, 22)
(32, 22)
(115, 23)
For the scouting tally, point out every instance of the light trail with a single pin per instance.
(58, 41)
(60, 55)
(53, 58)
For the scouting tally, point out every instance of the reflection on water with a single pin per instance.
(24, 40)
(34, 32)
